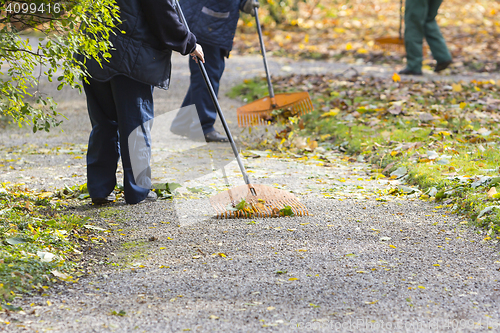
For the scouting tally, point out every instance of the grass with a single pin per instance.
(39, 240)
(445, 135)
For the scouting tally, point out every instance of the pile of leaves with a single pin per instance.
(440, 136)
(39, 240)
(347, 31)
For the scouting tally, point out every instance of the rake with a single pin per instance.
(260, 112)
(395, 44)
(246, 200)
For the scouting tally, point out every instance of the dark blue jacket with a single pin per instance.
(152, 30)
(213, 21)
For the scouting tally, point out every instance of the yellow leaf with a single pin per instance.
(292, 279)
(49, 303)
(373, 302)
(396, 77)
(361, 272)
(444, 133)
(331, 113)
(457, 87)
(394, 153)
(348, 46)
(436, 265)
(392, 246)
(362, 51)
(60, 275)
(271, 308)
(421, 287)
(169, 238)
(162, 248)
(463, 105)
(45, 195)
(324, 136)
(306, 39)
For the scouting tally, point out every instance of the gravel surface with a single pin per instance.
(361, 261)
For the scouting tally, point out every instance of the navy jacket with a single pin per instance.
(213, 21)
(152, 30)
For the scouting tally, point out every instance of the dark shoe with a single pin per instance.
(441, 66)
(151, 197)
(102, 201)
(408, 71)
(215, 136)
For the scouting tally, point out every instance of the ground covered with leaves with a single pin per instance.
(347, 31)
(440, 136)
(40, 240)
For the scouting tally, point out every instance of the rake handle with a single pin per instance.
(264, 57)
(401, 19)
(217, 107)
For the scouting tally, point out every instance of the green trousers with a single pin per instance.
(420, 22)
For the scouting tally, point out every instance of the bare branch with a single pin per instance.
(24, 50)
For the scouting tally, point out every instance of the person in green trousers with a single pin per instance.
(420, 22)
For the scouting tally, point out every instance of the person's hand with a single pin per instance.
(198, 53)
(249, 6)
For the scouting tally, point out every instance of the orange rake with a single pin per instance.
(260, 111)
(246, 200)
(395, 44)
(264, 205)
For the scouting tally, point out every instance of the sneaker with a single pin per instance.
(151, 197)
(102, 201)
(215, 136)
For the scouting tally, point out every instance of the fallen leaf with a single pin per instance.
(456, 87)
(372, 302)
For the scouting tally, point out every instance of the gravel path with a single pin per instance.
(363, 261)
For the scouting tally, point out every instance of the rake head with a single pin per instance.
(269, 202)
(259, 111)
(394, 44)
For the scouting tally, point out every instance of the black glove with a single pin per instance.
(249, 6)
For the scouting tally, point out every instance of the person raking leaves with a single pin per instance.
(420, 22)
(214, 24)
(119, 91)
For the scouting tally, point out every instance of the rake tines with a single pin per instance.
(268, 202)
(260, 111)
